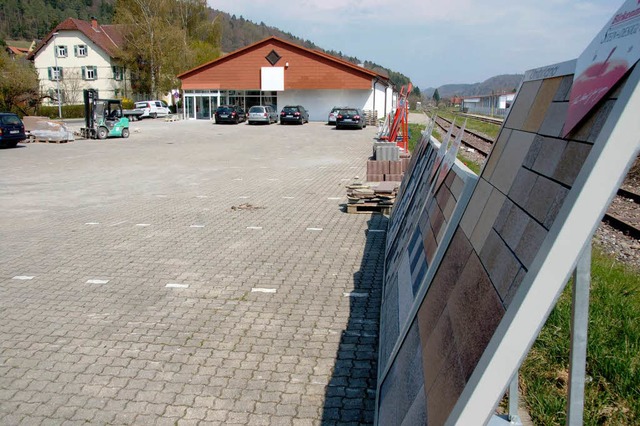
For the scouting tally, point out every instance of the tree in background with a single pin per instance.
(18, 84)
(414, 97)
(164, 38)
(436, 97)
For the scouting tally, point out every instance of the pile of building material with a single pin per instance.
(388, 163)
(366, 198)
(43, 129)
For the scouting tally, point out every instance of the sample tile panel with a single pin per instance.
(468, 288)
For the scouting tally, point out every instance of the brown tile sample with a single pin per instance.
(522, 185)
(430, 244)
(449, 207)
(547, 199)
(590, 129)
(450, 177)
(457, 187)
(549, 156)
(564, 90)
(436, 349)
(524, 100)
(445, 278)
(496, 152)
(511, 159)
(500, 263)
(487, 219)
(528, 247)
(541, 104)
(475, 207)
(513, 227)
(571, 162)
(476, 311)
(554, 120)
(446, 390)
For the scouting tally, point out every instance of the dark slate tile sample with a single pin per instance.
(446, 390)
(404, 382)
(390, 326)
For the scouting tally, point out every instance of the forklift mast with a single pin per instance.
(90, 96)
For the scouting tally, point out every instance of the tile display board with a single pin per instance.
(469, 281)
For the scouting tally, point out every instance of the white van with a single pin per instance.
(153, 109)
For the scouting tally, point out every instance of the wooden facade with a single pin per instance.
(304, 69)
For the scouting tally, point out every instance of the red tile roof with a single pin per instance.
(108, 37)
(269, 39)
(18, 50)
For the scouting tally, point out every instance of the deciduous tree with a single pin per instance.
(18, 84)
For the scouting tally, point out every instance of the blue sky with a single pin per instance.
(436, 42)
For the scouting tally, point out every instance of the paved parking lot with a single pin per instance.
(191, 274)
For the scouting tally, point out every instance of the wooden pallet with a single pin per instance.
(50, 140)
(368, 208)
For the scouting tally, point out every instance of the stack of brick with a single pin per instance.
(386, 170)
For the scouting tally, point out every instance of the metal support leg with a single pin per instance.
(579, 325)
(514, 418)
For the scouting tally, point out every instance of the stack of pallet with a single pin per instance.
(365, 198)
(43, 129)
(370, 117)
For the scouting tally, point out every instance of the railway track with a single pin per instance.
(471, 139)
(621, 215)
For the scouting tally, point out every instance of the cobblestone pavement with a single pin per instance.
(192, 274)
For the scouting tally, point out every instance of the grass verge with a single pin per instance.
(612, 392)
(489, 129)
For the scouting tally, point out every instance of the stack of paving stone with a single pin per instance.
(388, 163)
(381, 195)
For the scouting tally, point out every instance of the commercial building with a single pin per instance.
(277, 72)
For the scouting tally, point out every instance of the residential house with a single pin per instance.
(79, 55)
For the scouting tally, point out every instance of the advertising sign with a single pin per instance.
(604, 62)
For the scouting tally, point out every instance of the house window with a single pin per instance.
(61, 51)
(55, 73)
(89, 73)
(118, 73)
(81, 50)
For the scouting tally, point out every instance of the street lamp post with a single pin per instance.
(55, 58)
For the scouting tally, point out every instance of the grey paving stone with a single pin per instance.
(133, 351)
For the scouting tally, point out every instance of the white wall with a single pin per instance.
(380, 100)
(320, 102)
(72, 67)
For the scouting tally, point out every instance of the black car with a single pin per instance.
(294, 114)
(350, 117)
(11, 130)
(230, 114)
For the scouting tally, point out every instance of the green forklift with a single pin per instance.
(103, 118)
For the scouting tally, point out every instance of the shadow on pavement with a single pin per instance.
(351, 393)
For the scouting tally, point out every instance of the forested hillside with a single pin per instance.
(33, 19)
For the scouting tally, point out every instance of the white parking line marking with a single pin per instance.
(92, 223)
(288, 198)
(176, 285)
(97, 281)
(334, 198)
(22, 277)
(143, 224)
(354, 294)
(263, 290)
(196, 226)
(254, 227)
(314, 229)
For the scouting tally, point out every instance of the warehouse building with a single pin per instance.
(277, 72)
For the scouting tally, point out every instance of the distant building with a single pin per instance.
(492, 105)
(276, 72)
(17, 52)
(79, 55)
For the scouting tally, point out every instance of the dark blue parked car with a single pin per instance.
(11, 130)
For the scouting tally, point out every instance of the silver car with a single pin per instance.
(262, 114)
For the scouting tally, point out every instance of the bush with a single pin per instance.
(68, 111)
(127, 103)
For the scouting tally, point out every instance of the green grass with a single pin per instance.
(416, 133)
(488, 129)
(612, 392)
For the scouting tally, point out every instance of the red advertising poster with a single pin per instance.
(604, 62)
